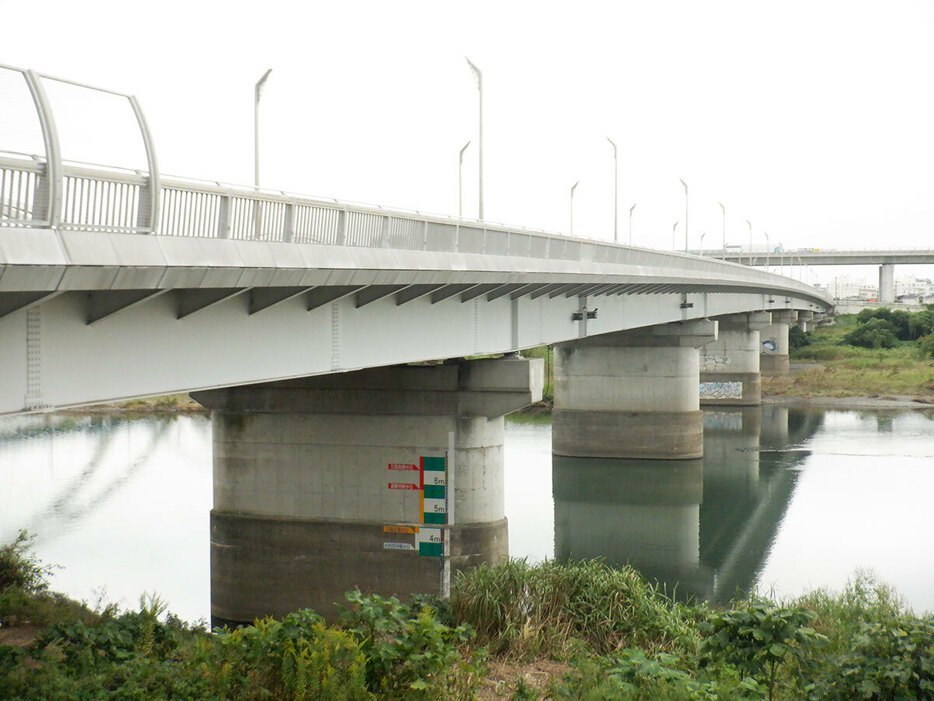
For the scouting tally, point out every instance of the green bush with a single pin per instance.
(875, 333)
(409, 654)
(926, 346)
(297, 657)
(760, 638)
(891, 659)
(798, 338)
(19, 566)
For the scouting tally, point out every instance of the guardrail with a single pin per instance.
(110, 200)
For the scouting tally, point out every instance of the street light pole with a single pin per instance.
(702, 242)
(615, 193)
(750, 241)
(460, 180)
(723, 210)
(573, 188)
(685, 215)
(768, 250)
(674, 245)
(258, 90)
(630, 222)
(478, 76)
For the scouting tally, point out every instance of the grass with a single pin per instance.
(847, 371)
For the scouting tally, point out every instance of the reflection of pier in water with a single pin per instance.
(700, 527)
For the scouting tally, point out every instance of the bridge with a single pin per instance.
(331, 341)
(886, 259)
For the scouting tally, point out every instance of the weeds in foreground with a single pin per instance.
(623, 639)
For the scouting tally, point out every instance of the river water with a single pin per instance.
(785, 500)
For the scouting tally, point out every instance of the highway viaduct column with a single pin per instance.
(887, 283)
(631, 394)
(729, 366)
(302, 481)
(773, 358)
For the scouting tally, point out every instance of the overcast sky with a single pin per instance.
(812, 119)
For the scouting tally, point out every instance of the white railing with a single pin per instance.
(115, 201)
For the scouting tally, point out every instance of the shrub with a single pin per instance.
(926, 346)
(875, 333)
(890, 659)
(298, 657)
(409, 654)
(798, 338)
(759, 638)
(19, 567)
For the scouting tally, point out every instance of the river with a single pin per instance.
(784, 501)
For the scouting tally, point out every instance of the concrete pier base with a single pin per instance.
(729, 366)
(773, 358)
(302, 493)
(632, 394)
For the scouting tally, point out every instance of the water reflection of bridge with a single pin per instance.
(702, 528)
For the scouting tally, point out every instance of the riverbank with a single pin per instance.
(516, 631)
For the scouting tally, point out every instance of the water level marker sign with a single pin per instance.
(433, 506)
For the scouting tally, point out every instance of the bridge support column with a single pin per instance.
(804, 320)
(631, 394)
(773, 356)
(887, 283)
(729, 374)
(301, 481)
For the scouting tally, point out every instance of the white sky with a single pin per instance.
(812, 119)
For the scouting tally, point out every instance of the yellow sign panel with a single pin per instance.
(399, 529)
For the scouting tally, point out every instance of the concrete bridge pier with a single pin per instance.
(887, 283)
(729, 367)
(805, 322)
(773, 356)
(631, 394)
(304, 491)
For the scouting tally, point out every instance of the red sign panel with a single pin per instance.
(402, 485)
(402, 466)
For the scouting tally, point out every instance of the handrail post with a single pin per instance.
(288, 223)
(223, 217)
(49, 196)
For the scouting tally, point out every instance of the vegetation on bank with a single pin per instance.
(618, 637)
(875, 353)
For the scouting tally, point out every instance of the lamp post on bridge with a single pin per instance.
(615, 193)
(674, 228)
(573, 188)
(257, 205)
(630, 222)
(685, 215)
(723, 211)
(768, 250)
(702, 242)
(749, 224)
(478, 77)
(258, 91)
(460, 180)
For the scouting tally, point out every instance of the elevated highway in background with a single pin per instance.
(886, 259)
(827, 256)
